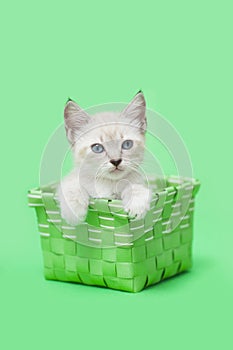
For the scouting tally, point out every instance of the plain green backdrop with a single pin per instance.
(180, 54)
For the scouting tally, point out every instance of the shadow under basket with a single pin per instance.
(112, 250)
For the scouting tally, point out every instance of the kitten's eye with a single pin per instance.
(97, 148)
(127, 144)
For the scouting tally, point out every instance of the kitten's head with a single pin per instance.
(107, 144)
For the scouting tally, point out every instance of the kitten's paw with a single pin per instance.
(72, 210)
(137, 203)
(73, 215)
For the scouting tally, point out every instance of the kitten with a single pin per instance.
(108, 148)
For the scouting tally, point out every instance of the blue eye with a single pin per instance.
(127, 144)
(97, 148)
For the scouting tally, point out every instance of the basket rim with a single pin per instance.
(175, 183)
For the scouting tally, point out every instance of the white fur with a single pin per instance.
(93, 174)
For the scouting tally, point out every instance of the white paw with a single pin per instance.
(136, 201)
(74, 213)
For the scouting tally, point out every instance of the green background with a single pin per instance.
(180, 54)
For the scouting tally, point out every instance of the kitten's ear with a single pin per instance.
(135, 111)
(75, 118)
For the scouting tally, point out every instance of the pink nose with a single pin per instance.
(115, 162)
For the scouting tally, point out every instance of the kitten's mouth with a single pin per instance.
(116, 170)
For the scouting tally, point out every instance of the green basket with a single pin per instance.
(112, 250)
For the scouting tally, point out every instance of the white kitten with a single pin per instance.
(107, 148)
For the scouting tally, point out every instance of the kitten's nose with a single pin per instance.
(115, 162)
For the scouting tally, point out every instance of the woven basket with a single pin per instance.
(112, 250)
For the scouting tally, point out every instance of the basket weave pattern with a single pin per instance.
(112, 250)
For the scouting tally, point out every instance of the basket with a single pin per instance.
(112, 250)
